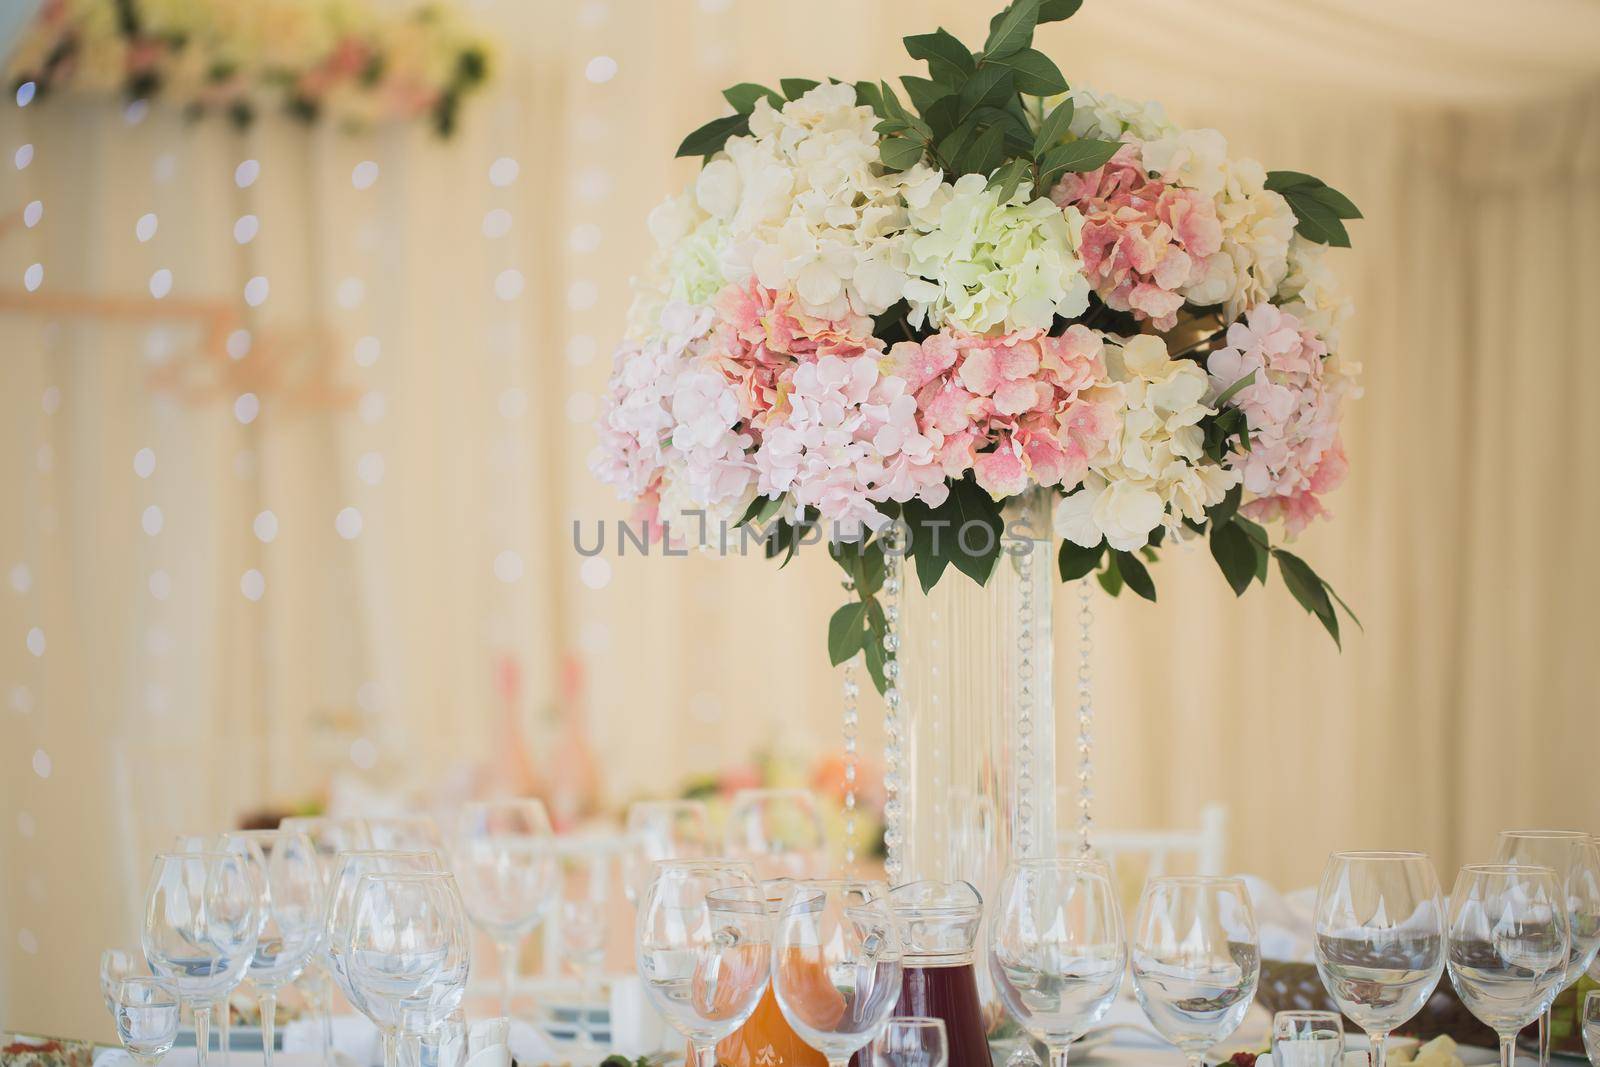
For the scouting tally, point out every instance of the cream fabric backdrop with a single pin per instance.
(1471, 143)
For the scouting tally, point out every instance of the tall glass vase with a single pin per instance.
(976, 724)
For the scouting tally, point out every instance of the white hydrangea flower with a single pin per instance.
(1257, 225)
(1154, 471)
(687, 265)
(979, 265)
(1107, 116)
(1311, 292)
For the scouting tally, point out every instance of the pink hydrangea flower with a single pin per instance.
(1143, 240)
(1009, 408)
(1292, 407)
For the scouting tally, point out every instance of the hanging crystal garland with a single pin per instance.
(1085, 716)
(851, 721)
(1023, 830)
(893, 839)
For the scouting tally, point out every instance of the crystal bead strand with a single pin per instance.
(851, 721)
(1024, 758)
(1085, 715)
(893, 839)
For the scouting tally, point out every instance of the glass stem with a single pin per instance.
(706, 1056)
(1544, 1037)
(1058, 1056)
(391, 1048)
(225, 1031)
(1380, 1048)
(1196, 1059)
(269, 1010)
(1508, 1050)
(202, 1032)
(508, 973)
(326, 1004)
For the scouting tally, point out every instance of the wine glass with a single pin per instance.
(1379, 938)
(115, 965)
(1589, 1020)
(288, 877)
(329, 836)
(1196, 959)
(1307, 1039)
(404, 833)
(836, 964)
(911, 1041)
(1508, 945)
(778, 830)
(1056, 948)
(340, 908)
(508, 875)
(703, 948)
(146, 1010)
(583, 944)
(202, 915)
(407, 952)
(661, 830)
(1571, 855)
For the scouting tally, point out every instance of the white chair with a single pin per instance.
(1205, 848)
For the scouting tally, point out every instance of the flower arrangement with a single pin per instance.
(865, 311)
(343, 60)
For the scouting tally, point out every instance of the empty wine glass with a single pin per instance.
(1589, 1019)
(404, 833)
(1508, 945)
(288, 877)
(115, 965)
(1379, 938)
(836, 964)
(778, 830)
(341, 897)
(146, 1010)
(201, 919)
(407, 953)
(1571, 855)
(583, 944)
(329, 836)
(1056, 948)
(1307, 1039)
(661, 830)
(1196, 959)
(703, 948)
(911, 1041)
(508, 874)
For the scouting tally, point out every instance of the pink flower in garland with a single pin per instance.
(1292, 406)
(1143, 240)
(1011, 409)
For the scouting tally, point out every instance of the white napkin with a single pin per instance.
(529, 1045)
(1285, 921)
(1352, 1058)
(354, 1036)
(637, 1029)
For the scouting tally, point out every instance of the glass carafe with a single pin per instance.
(766, 1039)
(939, 923)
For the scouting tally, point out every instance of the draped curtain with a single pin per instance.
(353, 558)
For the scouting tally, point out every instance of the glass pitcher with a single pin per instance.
(766, 1039)
(939, 924)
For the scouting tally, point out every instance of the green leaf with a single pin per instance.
(1084, 154)
(930, 541)
(1055, 126)
(947, 58)
(1280, 180)
(1033, 72)
(845, 632)
(901, 153)
(972, 506)
(874, 656)
(1315, 221)
(1075, 561)
(709, 139)
(743, 97)
(1231, 548)
(868, 93)
(1340, 601)
(984, 154)
(1135, 575)
(1012, 30)
(1111, 578)
(956, 142)
(862, 561)
(924, 93)
(1227, 508)
(1309, 590)
(795, 88)
(992, 86)
(1009, 177)
(1231, 391)
(1058, 10)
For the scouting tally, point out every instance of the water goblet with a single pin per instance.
(1589, 1020)
(1508, 945)
(703, 949)
(777, 830)
(115, 965)
(1379, 939)
(583, 944)
(339, 910)
(1056, 950)
(661, 830)
(407, 953)
(329, 836)
(1307, 1039)
(911, 1041)
(1196, 959)
(1572, 856)
(288, 877)
(146, 1010)
(202, 915)
(509, 875)
(837, 962)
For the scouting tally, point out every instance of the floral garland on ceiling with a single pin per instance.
(863, 312)
(344, 61)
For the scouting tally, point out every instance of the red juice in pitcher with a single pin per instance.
(939, 921)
